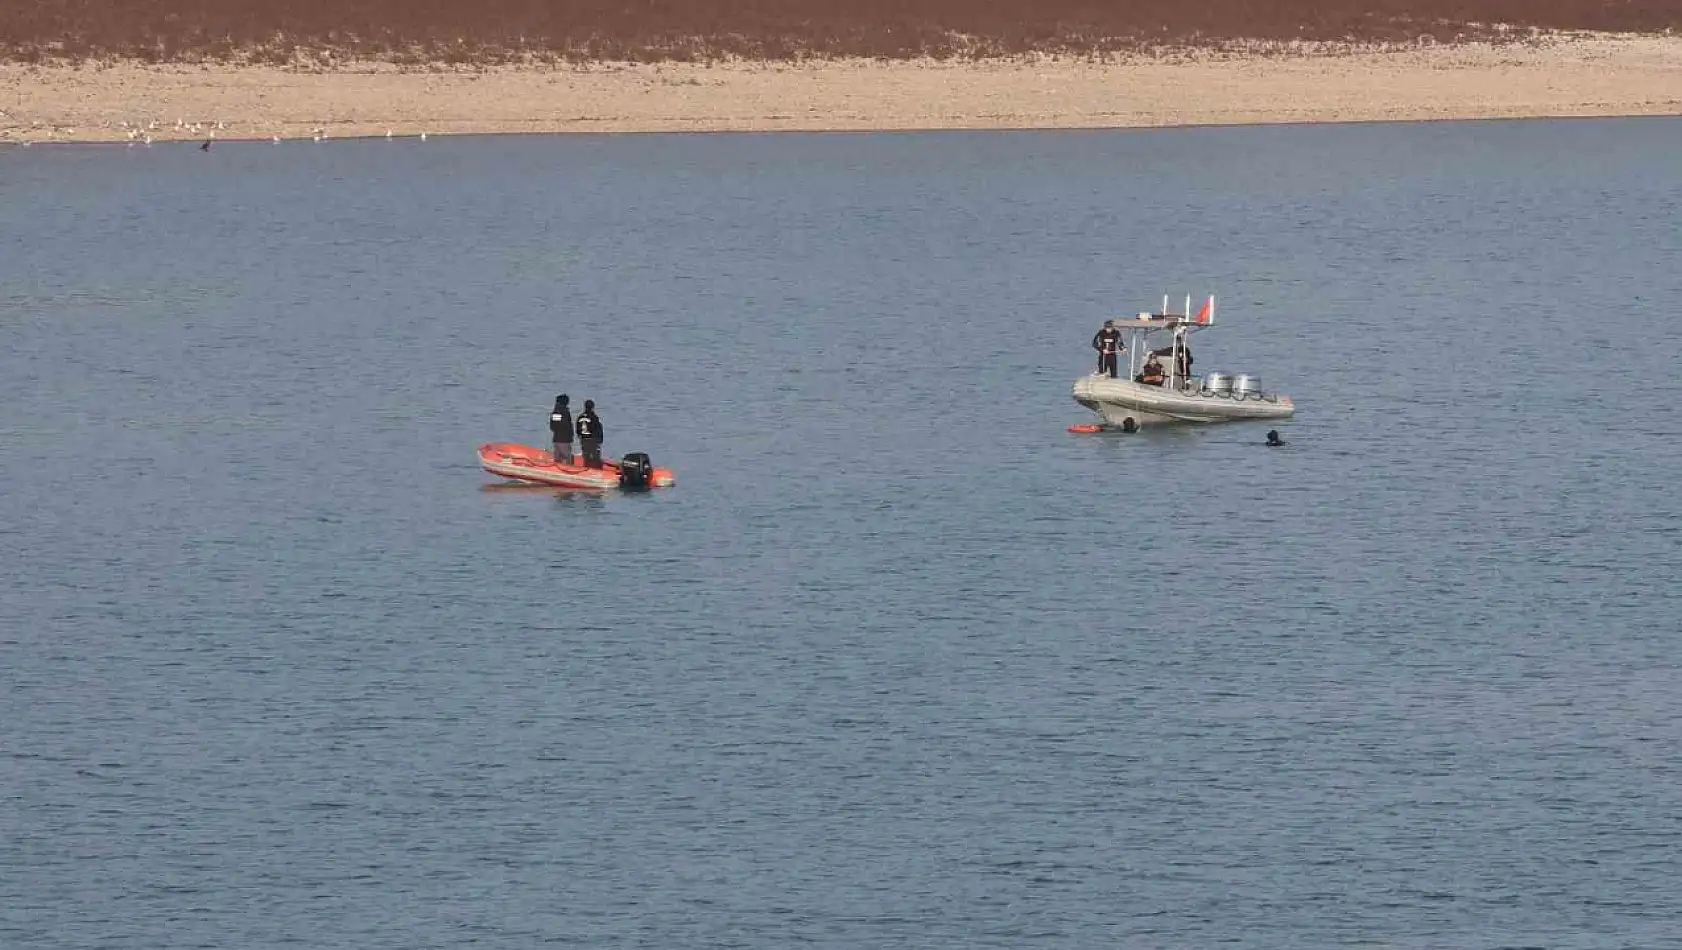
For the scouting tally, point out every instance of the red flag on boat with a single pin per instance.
(1207, 314)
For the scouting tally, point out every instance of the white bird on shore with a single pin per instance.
(388, 133)
(148, 141)
(423, 136)
(277, 140)
(319, 134)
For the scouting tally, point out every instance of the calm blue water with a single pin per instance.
(899, 662)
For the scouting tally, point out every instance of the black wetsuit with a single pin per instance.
(560, 429)
(1108, 343)
(590, 438)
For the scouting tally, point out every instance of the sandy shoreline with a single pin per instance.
(1588, 76)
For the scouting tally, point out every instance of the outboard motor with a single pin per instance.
(635, 471)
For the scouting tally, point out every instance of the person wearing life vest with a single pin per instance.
(1107, 342)
(590, 435)
(1152, 376)
(560, 429)
(1182, 361)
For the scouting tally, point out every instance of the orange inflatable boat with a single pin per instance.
(526, 464)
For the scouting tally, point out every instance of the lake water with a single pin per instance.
(899, 662)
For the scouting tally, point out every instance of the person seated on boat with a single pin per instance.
(1152, 375)
(560, 429)
(1107, 342)
(590, 435)
(1182, 362)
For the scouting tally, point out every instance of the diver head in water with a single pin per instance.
(1128, 425)
(1273, 437)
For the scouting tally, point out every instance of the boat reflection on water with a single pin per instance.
(587, 497)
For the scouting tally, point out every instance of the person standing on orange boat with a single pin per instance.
(590, 435)
(560, 429)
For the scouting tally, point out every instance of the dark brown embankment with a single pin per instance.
(466, 31)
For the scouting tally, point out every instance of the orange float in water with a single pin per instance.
(527, 464)
(1086, 428)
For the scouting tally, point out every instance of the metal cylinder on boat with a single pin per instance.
(1219, 384)
(1246, 385)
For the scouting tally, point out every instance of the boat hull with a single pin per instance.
(1118, 400)
(535, 466)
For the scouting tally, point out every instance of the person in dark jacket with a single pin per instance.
(590, 435)
(560, 429)
(1107, 342)
(1182, 360)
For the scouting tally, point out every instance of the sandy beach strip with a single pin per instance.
(1574, 76)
